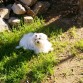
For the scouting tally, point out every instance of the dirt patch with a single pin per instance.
(70, 67)
(70, 71)
(62, 13)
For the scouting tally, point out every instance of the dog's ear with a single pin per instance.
(35, 34)
(44, 36)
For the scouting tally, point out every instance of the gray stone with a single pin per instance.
(4, 13)
(41, 7)
(29, 2)
(18, 9)
(13, 21)
(3, 25)
(28, 19)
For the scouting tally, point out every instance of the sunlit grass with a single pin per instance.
(16, 65)
(79, 45)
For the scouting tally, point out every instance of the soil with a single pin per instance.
(62, 13)
(70, 68)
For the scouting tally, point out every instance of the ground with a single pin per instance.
(70, 68)
(66, 60)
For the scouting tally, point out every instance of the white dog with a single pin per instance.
(35, 41)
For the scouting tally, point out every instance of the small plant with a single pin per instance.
(72, 32)
(79, 45)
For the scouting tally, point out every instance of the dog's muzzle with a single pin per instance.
(37, 42)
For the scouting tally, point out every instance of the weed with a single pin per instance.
(79, 45)
(72, 32)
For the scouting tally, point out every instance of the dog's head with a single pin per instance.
(39, 38)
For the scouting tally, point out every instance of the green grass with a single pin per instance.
(16, 65)
(72, 32)
(79, 45)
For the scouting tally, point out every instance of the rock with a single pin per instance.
(28, 2)
(30, 12)
(41, 7)
(28, 19)
(13, 21)
(4, 13)
(3, 25)
(18, 9)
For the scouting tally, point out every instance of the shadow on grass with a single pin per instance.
(8, 50)
(58, 24)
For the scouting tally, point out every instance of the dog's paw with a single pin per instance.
(51, 49)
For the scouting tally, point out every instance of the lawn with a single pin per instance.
(17, 65)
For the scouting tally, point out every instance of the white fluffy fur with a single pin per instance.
(35, 41)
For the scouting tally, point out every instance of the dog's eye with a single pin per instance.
(35, 35)
(39, 38)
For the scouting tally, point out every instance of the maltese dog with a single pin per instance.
(38, 42)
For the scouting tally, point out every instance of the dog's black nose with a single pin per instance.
(37, 41)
